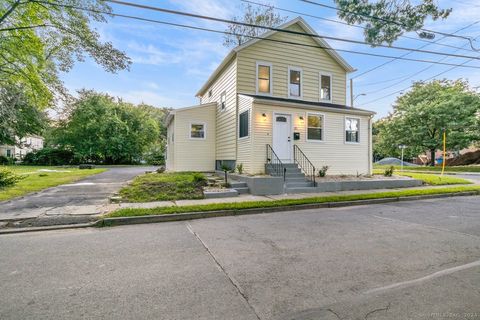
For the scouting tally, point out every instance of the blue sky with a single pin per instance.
(170, 64)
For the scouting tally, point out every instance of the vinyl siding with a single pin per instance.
(311, 60)
(341, 157)
(244, 145)
(194, 154)
(226, 119)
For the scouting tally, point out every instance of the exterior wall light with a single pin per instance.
(264, 115)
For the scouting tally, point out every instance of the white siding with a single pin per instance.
(226, 119)
(194, 154)
(341, 157)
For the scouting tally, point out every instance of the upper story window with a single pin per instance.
(264, 78)
(352, 130)
(326, 87)
(223, 101)
(295, 82)
(197, 131)
(315, 127)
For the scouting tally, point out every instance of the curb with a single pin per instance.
(50, 228)
(108, 222)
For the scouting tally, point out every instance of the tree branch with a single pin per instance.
(27, 27)
(9, 11)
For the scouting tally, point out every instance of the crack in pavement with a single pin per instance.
(377, 310)
(232, 281)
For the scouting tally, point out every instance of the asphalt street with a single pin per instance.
(403, 260)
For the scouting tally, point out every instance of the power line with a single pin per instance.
(390, 21)
(432, 77)
(193, 15)
(406, 54)
(352, 25)
(251, 37)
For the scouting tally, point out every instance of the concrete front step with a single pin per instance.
(304, 184)
(294, 175)
(301, 190)
(302, 179)
(242, 190)
(236, 185)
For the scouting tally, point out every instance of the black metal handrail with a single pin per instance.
(274, 162)
(304, 163)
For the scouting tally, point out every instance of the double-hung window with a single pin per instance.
(197, 131)
(315, 125)
(325, 87)
(243, 126)
(264, 78)
(352, 130)
(295, 82)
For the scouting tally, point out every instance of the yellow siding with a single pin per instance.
(281, 55)
(341, 157)
(244, 145)
(226, 119)
(170, 161)
(193, 154)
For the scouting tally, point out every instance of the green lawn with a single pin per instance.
(472, 168)
(36, 180)
(164, 186)
(288, 202)
(428, 178)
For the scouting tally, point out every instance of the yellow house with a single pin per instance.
(271, 106)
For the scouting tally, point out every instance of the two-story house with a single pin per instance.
(274, 102)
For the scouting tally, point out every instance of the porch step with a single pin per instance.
(302, 179)
(242, 190)
(238, 184)
(294, 175)
(301, 190)
(304, 184)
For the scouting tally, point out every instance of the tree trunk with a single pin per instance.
(432, 157)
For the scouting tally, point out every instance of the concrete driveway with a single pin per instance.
(403, 260)
(83, 197)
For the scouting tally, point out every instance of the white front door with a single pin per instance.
(282, 136)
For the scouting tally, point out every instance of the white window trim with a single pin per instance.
(267, 64)
(290, 68)
(345, 130)
(223, 94)
(204, 130)
(320, 74)
(323, 127)
(249, 124)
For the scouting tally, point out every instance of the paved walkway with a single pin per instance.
(88, 196)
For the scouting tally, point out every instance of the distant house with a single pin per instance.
(272, 104)
(24, 146)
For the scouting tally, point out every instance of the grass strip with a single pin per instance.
(471, 168)
(429, 178)
(287, 202)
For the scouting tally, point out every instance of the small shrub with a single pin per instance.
(199, 178)
(43, 175)
(8, 178)
(240, 168)
(161, 169)
(389, 171)
(4, 160)
(50, 157)
(323, 171)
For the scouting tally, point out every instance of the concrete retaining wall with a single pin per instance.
(333, 186)
(261, 185)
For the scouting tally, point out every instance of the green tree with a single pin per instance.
(39, 39)
(99, 127)
(386, 20)
(18, 117)
(421, 115)
(263, 16)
